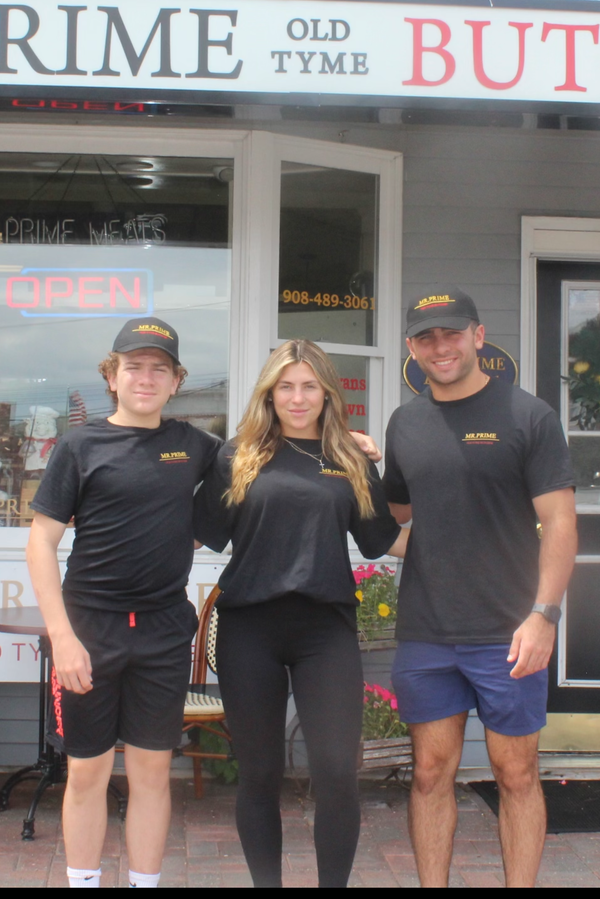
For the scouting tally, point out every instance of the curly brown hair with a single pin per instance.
(110, 365)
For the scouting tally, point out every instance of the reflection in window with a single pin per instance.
(584, 391)
(328, 252)
(87, 243)
(584, 360)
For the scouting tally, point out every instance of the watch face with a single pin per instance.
(552, 613)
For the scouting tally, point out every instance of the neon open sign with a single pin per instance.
(81, 292)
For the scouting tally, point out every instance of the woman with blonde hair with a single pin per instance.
(286, 491)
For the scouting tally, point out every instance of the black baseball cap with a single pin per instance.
(143, 333)
(446, 307)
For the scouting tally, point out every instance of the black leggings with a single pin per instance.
(255, 648)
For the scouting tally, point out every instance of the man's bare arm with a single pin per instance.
(533, 641)
(71, 659)
(401, 513)
(398, 548)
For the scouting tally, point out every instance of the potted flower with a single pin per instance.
(385, 740)
(377, 596)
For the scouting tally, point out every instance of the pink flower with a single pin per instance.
(359, 574)
(369, 688)
(394, 703)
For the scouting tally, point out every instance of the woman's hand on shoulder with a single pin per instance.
(367, 445)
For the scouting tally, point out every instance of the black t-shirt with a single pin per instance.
(131, 492)
(470, 468)
(290, 534)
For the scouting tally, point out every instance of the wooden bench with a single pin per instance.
(393, 752)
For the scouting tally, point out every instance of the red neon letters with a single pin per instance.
(27, 292)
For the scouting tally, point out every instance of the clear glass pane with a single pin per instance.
(585, 455)
(584, 359)
(354, 378)
(87, 243)
(328, 255)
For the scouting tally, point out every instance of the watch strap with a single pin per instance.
(550, 611)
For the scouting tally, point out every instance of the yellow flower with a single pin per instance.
(597, 379)
(580, 367)
(359, 595)
(383, 609)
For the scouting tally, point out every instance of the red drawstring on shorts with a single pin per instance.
(132, 619)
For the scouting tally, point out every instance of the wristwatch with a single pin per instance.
(550, 611)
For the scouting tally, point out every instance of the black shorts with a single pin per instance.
(140, 670)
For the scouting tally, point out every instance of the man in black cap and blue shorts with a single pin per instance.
(120, 624)
(476, 462)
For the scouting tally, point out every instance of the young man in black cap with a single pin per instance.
(474, 461)
(121, 625)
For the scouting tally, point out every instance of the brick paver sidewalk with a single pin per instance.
(204, 850)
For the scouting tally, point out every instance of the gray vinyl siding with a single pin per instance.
(19, 705)
(465, 191)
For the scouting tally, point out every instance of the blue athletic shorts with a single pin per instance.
(438, 680)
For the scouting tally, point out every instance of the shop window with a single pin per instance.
(88, 242)
(582, 380)
(327, 256)
(328, 269)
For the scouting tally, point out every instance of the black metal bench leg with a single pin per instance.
(48, 780)
(13, 780)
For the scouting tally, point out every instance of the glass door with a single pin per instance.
(338, 270)
(568, 377)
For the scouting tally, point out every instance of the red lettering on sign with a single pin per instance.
(419, 50)
(353, 383)
(119, 107)
(63, 104)
(95, 104)
(478, 54)
(570, 31)
(51, 294)
(10, 301)
(29, 104)
(115, 285)
(84, 291)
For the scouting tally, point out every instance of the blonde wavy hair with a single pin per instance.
(259, 432)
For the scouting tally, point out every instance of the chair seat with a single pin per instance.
(198, 704)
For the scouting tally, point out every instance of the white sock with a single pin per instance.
(83, 877)
(143, 880)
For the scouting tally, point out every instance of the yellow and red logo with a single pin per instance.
(442, 300)
(153, 329)
(481, 437)
(174, 457)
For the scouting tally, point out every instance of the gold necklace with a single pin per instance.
(318, 459)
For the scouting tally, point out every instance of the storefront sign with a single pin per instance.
(38, 292)
(281, 47)
(493, 360)
(324, 301)
(145, 229)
